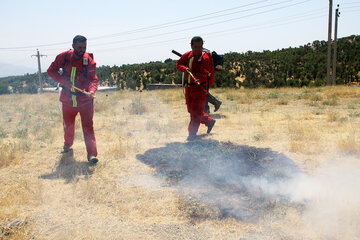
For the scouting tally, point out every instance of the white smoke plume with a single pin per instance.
(248, 183)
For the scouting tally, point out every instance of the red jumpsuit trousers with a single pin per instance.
(195, 101)
(86, 114)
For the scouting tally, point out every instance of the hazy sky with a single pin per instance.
(126, 32)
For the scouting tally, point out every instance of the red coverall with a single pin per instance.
(82, 74)
(202, 68)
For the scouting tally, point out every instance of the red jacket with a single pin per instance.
(202, 70)
(85, 76)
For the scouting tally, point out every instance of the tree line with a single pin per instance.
(288, 67)
(297, 67)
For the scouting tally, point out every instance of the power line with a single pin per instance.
(270, 23)
(35, 46)
(264, 26)
(350, 3)
(174, 23)
(222, 33)
(229, 31)
(182, 30)
(181, 21)
(351, 11)
(144, 44)
(133, 31)
(201, 26)
(352, 7)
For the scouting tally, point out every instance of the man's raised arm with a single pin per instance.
(53, 70)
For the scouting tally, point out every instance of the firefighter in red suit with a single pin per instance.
(201, 65)
(79, 70)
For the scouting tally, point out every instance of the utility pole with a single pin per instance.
(329, 44)
(337, 15)
(39, 70)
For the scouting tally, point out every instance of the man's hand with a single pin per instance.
(90, 94)
(196, 80)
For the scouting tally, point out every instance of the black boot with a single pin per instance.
(211, 125)
(211, 99)
(217, 105)
(66, 149)
(92, 159)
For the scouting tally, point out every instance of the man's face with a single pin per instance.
(79, 49)
(196, 48)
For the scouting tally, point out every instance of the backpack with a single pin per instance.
(218, 60)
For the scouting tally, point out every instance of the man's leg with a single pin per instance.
(205, 119)
(207, 108)
(188, 98)
(192, 132)
(211, 99)
(197, 111)
(87, 113)
(69, 114)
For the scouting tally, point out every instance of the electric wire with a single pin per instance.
(176, 22)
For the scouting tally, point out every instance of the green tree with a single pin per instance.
(4, 87)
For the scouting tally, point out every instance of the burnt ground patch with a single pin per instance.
(241, 181)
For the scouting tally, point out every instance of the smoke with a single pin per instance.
(330, 196)
(249, 184)
(333, 196)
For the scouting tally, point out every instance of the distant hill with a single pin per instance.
(27, 83)
(296, 67)
(11, 69)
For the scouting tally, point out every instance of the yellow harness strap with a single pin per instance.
(72, 78)
(190, 66)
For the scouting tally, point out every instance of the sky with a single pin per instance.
(139, 31)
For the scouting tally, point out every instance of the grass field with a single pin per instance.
(279, 164)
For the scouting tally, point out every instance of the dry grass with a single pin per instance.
(62, 197)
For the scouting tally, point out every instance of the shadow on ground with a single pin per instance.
(217, 115)
(69, 169)
(243, 182)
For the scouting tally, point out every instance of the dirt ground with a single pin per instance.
(279, 164)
